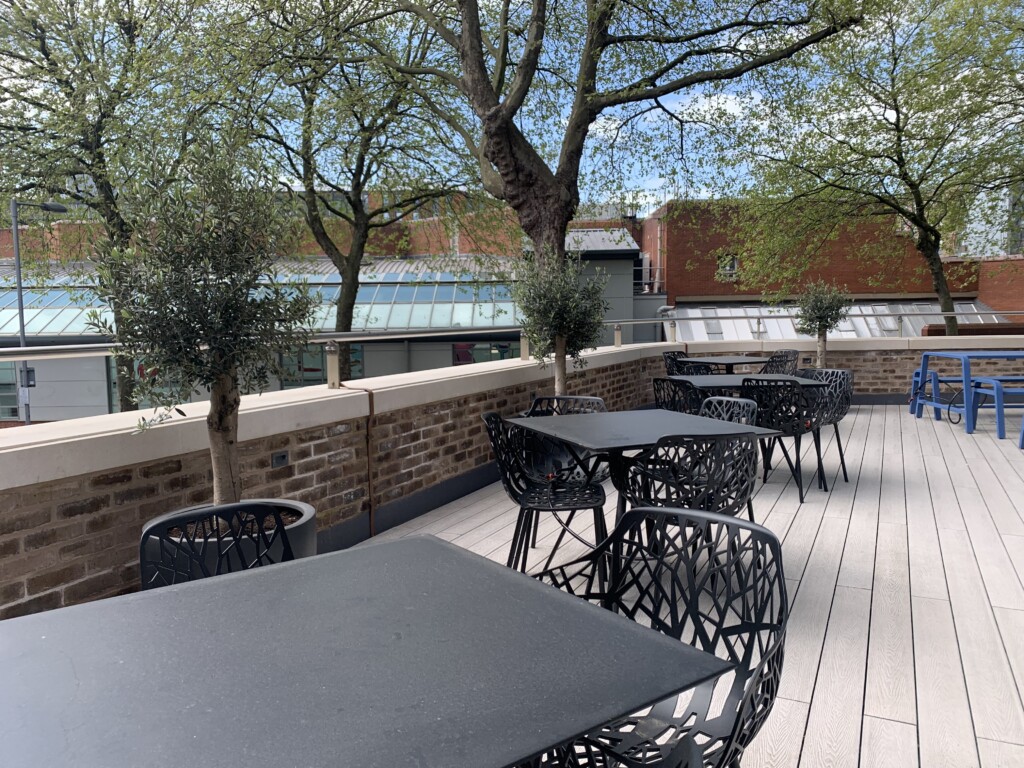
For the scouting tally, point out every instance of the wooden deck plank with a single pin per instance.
(888, 744)
(778, 743)
(858, 563)
(995, 703)
(927, 575)
(890, 681)
(892, 507)
(998, 754)
(1011, 628)
(854, 430)
(809, 615)
(834, 724)
(945, 730)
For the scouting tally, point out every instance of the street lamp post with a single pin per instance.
(50, 208)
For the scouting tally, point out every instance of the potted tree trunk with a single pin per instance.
(199, 309)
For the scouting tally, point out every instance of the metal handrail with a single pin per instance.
(103, 349)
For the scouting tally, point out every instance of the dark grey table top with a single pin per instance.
(735, 380)
(729, 360)
(407, 653)
(629, 430)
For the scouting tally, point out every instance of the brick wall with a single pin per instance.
(1001, 284)
(67, 541)
(693, 233)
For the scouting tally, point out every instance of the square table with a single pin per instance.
(734, 381)
(729, 362)
(919, 401)
(406, 653)
(615, 432)
(618, 431)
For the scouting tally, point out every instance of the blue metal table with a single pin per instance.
(919, 401)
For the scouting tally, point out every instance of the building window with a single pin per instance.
(464, 353)
(727, 267)
(8, 391)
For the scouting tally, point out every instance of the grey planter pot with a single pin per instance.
(301, 533)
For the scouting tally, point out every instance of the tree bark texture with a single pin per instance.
(222, 426)
(560, 366)
(822, 336)
(929, 246)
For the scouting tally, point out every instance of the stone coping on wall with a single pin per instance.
(57, 450)
(406, 390)
(61, 449)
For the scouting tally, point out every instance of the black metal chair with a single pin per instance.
(205, 541)
(836, 397)
(782, 361)
(555, 405)
(535, 478)
(677, 395)
(784, 407)
(714, 474)
(672, 359)
(714, 582)
(735, 409)
(592, 468)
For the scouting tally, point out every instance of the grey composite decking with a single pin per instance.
(906, 638)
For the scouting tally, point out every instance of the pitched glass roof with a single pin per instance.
(729, 322)
(392, 296)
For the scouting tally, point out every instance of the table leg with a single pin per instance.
(968, 395)
(916, 406)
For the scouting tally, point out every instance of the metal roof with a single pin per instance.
(399, 294)
(867, 319)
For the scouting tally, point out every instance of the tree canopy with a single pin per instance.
(910, 118)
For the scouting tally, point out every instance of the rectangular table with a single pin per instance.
(734, 381)
(918, 401)
(408, 653)
(729, 362)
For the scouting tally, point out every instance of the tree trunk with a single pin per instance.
(349, 271)
(222, 426)
(560, 369)
(821, 348)
(929, 246)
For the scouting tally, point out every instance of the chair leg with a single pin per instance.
(794, 468)
(520, 538)
(558, 540)
(822, 482)
(842, 454)
(536, 525)
(750, 510)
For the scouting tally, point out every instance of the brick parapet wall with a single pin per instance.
(420, 446)
(67, 539)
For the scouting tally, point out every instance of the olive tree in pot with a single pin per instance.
(198, 305)
(822, 307)
(563, 311)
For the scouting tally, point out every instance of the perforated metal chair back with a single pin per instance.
(675, 395)
(672, 359)
(210, 540)
(782, 361)
(837, 392)
(714, 582)
(735, 409)
(781, 405)
(535, 477)
(715, 474)
(554, 405)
